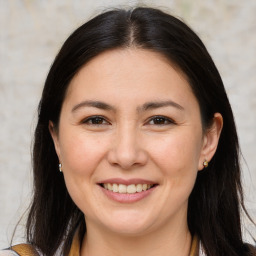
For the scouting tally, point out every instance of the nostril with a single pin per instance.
(127, 158)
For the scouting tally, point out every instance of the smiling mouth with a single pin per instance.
(127, 189)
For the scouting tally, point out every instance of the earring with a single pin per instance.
(205, 163)
(60, 165)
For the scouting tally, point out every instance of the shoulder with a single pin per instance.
(8, 253)
(20, 250)
(251, 250)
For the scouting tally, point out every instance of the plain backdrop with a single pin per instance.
(31, 34)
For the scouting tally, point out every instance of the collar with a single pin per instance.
(76, 244)
(194, 250)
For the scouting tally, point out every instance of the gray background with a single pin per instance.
(31, 33)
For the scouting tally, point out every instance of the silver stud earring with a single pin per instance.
(60, 165)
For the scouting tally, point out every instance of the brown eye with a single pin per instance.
(95, 120)
(160, 120)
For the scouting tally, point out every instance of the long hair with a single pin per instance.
(217, 198)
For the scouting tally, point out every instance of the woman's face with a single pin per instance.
(130, 141)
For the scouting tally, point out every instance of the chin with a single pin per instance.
(129, 230)
(129, 224)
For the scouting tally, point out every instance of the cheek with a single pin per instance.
(80, 153)
(177, 153)
(177, 158)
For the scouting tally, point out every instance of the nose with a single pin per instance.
(127, 150)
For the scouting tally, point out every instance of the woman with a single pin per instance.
(135, 115)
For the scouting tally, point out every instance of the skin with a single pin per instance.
(130, 142)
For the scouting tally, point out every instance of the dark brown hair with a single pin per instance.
(216, 200)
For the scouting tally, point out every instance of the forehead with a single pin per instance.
(129, 73)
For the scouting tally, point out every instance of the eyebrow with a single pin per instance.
(146, 106)
(94, 104)
(160, 104)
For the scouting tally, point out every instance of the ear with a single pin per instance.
(55, 138)
(211, 140)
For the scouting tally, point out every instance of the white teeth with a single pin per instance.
(131, 189)
(139, 188)
(124, 189)
(115, 188)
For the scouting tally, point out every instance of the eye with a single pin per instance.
(95, 120)
(160, 120)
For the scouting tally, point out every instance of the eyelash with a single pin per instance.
(158, 120)
(90, 120)
(166, 120)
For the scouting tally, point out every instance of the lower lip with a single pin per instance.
(127, 198)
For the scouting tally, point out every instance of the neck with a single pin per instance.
(166, 241)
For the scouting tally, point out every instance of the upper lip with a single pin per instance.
(126, 181)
